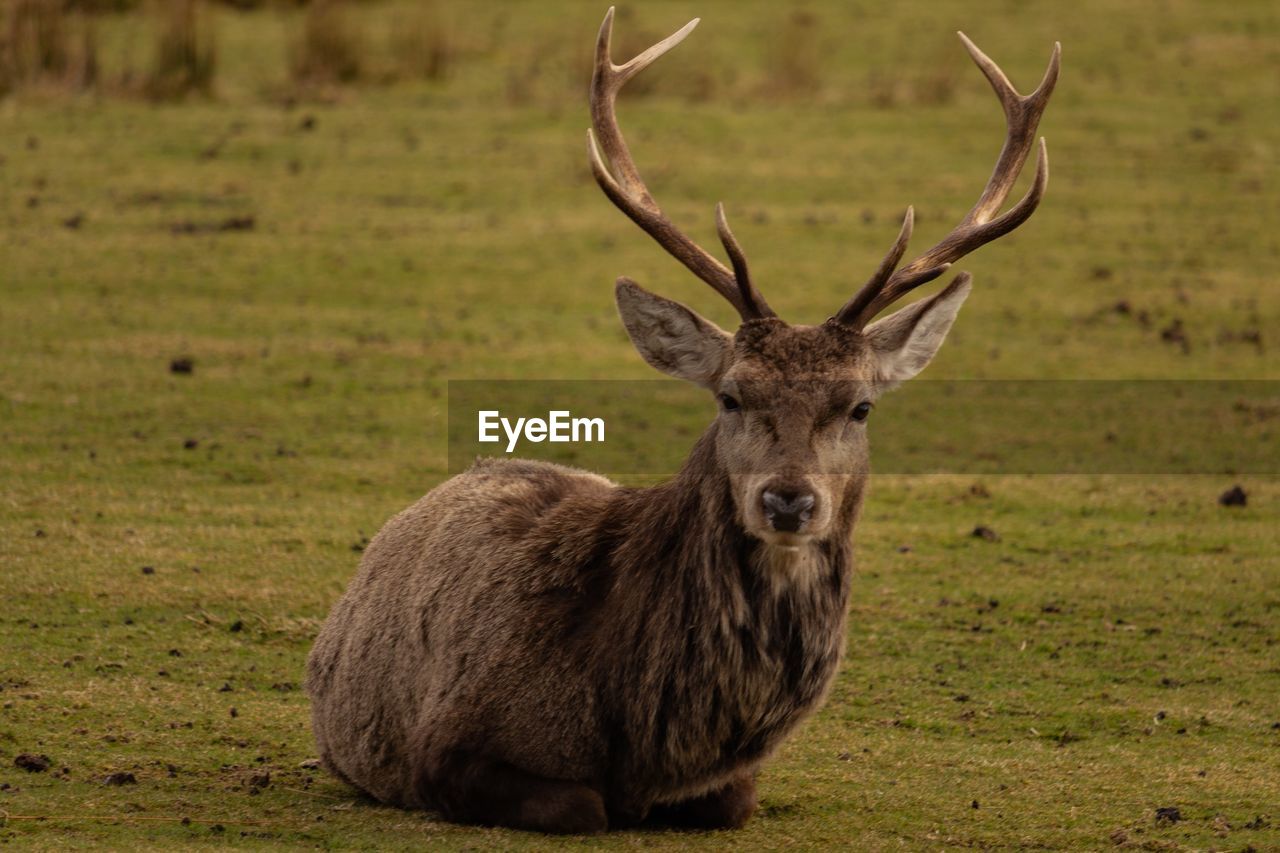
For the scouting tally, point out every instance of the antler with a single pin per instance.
(627, 189)
(1022, 114)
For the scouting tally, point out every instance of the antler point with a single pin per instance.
(615, 172)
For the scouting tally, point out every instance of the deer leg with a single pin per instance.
(470, 788)
(728, 808)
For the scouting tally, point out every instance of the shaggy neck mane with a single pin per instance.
(732, 641)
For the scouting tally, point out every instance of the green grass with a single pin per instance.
(1115, 652)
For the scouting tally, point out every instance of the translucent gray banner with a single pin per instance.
(626, 428)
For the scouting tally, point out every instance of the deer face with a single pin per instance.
(792, 427)
(794, 401)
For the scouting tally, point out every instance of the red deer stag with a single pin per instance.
(532, 646)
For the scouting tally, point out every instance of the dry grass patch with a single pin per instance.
(792, 65)
(43, 44)
(331, 47)
(423, 44)
(185, 58)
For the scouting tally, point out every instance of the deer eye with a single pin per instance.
(860, 412)
(729, 403)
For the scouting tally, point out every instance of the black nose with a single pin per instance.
(787, 510)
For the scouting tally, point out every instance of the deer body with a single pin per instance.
(570, 672)
(530, 645)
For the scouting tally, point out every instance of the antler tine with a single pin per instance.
(607, 80)
(750, 296)
(1022, 116)
(875, 285)
(616, 173)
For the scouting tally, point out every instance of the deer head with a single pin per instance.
(794, 399)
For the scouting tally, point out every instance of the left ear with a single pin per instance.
(907, 340)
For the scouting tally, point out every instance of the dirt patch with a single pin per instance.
(1248, 335)
(1175, 333)
(985, 533)
(32, 763)
(1234, 496)
(231, 223)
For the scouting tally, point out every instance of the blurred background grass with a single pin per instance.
(245, 245)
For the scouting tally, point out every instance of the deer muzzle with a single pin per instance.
(787, 510)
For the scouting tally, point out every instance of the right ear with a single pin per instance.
(672, 338)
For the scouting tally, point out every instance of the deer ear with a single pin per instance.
(672, 338)
(907, 340)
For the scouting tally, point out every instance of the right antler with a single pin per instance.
(1022, 113)
(632, 197)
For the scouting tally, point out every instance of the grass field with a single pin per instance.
(327, 258)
